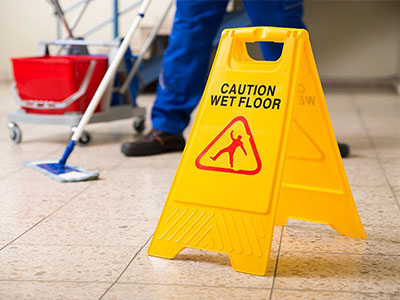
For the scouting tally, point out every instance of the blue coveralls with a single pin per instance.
(186, 60)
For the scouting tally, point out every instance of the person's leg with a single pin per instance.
(275, 13)
(231, 158)
(186, 62)
(215, 157)
(183, 77)
(288, 13)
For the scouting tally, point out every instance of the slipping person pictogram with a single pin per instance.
(231, 149)
(250, 164)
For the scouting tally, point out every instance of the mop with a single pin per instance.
(59, 169)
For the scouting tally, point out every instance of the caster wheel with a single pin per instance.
(139, 125)
(85, 137)
(15, 132)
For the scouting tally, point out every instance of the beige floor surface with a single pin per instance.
(88, 240)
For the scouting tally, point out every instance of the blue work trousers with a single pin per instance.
(186, 59)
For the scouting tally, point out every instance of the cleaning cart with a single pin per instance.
(57, 89)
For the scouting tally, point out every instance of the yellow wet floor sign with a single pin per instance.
(261, 150)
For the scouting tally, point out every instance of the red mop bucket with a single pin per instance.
(57, 84)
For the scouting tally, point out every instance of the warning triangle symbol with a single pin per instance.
(233, 150)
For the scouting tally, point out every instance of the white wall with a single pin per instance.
(355, 38)
(24, 22)
(351, 39)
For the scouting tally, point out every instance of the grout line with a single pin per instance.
(75, 245)
(30, 228)
(371, 141)
(116, 219)
(337, 291)
(204, 286)
(196, 285)
(53, 281)
(127, 266)
(57, 209)
(257, 288)
(342, 253)
(276, 264)
(53, 212)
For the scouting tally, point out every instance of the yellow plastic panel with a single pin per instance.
(261, 146)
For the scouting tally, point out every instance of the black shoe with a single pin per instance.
(344, 150)
(155, 142)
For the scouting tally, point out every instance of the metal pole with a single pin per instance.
(145, 48)
(109, 76)
(116, 13)
(62, 17)
(110, 20)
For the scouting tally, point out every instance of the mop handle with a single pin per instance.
(109, 76)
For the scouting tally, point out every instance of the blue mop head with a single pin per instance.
(62, 172)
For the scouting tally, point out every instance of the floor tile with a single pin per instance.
(329, 295)
(382, 125)
(24, 207)
(126, 204)
(176, 292)
(11, 228)
(379, 117)
(44, 187)
(64, 263)
(92, 230)
(18, 154)
(392, 170)
(124, 194)
(387, 148)
(379, 214)
(96, 157)
(310, 237)
(334, 272)
(58, 230)
(195, 267)
(396, 191)
(26, 198)
(27, 290)
(364, 172)
(381, 195)
(8, 169)
(345, 125)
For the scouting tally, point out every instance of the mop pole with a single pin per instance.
(108, 77)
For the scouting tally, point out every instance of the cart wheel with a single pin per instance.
(85, 138)
(139, 125)
(15, 132)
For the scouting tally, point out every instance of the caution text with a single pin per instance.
(246, 96)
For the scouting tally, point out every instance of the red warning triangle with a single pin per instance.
(231, 151)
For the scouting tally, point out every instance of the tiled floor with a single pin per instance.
(88, 240)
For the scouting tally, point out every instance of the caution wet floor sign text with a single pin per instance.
(261, 151)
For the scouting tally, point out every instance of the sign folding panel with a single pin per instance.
(261, 150)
